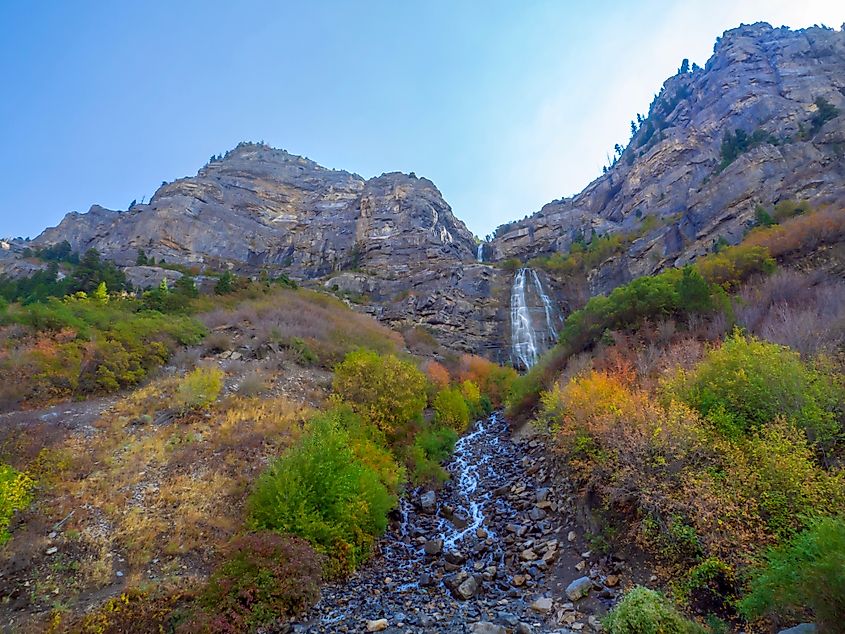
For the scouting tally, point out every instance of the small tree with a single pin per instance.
(225, 283)
(101, 294)
(806, 573)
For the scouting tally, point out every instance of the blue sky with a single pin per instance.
(504, 105)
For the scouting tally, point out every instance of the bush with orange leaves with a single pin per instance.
(438, 374)
(801, 234)
(493, 380)
(670, 482)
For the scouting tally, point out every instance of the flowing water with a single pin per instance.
(403, 583)
(479, 252)
(533, 319)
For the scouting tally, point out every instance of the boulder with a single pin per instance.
(579, 588)
(542, 605)
(428, 502)
(377, 625)
(486, 627)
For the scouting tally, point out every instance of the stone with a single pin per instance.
(542, 605)
(536, 514)
(528, 555)
(466, 589)
(433, 546)
(518, 580)
(571, 536)
(579, 588)
(459, 520)
(377, 625)
(52, 550)
(428, 502)
(481, 533)
(485, 627)
(611, 581)
(455, 557)
(523, 628)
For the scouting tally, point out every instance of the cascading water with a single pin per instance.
(523, 341)
(547, 306)
(533, 319)
(479, 252)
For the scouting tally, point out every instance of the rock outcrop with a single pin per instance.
(259, 207)
(669, 186)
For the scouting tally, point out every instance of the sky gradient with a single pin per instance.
(504, 105)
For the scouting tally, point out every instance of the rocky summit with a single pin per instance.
(759, 124)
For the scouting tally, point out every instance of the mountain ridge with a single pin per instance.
(394, 242)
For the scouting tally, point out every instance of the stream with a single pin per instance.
(478, 551)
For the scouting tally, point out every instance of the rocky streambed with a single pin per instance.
(492, 552)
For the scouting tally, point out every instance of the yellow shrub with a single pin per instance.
(389, 392)
(199, 389)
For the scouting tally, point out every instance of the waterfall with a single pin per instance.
(479, 253)
(533, 318)
(547, 306)
(523, 342)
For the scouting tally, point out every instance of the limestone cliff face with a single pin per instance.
(391, 240)
(262, 207)
(759, 79)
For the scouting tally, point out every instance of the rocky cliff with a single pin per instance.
(671, 188)
(760, 123)
(389, 242)
(261, 207)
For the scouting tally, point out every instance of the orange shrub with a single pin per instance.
(803, 233)
(438, 374)
(493, 380)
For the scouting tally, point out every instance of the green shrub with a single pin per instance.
(431, 448)
(321, 490)
(198, 389)
(84, 345)
(265, 577)
(387, 391)
(644, 611)
(15, 495)
(747, 382)
(450, 409)
(807, 573)
(825, 111)
(776, 467)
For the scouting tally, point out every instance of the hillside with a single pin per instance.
(280, 398)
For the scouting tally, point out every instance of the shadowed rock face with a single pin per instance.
(394, 242)
(758, 78)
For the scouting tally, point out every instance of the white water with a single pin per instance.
(479, 253)
(531, 335)
(547, 306)
(523, 341)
